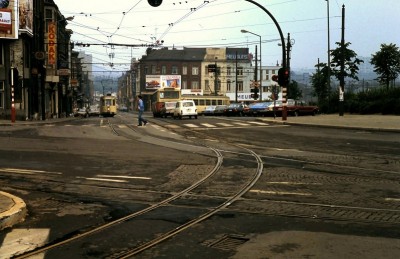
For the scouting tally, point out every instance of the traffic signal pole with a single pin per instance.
(284, 87)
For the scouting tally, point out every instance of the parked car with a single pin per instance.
(185, 108)
(236, 109)
(209, 110)
(259, 109)
(220, 110)
(94, 110)
(81, 112)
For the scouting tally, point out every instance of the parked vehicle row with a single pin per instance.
(188, 108)
(294, 108)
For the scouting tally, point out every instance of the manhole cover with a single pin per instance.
(229, 242)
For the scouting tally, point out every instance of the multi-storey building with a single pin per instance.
(207, 71)
(36, 43)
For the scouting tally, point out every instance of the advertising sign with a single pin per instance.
(152, 81)
(171, 81)
(52, 43)
(26, 16)
(9, 24)
(161, 81)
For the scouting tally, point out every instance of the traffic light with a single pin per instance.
(275, 78)
(283, 77)
(154, 3)
(254, 94)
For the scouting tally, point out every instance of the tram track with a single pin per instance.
(210, 179)
(247, 200)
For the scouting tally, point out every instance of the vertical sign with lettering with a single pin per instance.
(52, 41)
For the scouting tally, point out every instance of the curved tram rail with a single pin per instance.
(241, 189)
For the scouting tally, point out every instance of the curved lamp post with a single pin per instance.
(245, 31)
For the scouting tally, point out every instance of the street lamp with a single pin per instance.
(329, 49)
(245, 31)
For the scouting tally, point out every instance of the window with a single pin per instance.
(195, 85)
(195, 71)
(153, 70)
(184, 70)
(228, 85)
(228, 71)
(2, 94)
(239, 71)
(163, 70)
(174, 70)
(1, 54)
(240, 86)
(184, 84)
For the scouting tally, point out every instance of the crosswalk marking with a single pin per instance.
(258, 123)
(241, 124)
(208, 125)
(189, 125)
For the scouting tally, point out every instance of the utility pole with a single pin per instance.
(329, 50)
(342, 50)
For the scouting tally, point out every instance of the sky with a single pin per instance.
(218, 23)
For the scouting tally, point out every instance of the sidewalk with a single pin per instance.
(13, 209)
(386, 123)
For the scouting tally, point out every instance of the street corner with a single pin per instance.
(12, 210)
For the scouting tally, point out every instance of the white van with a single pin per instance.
(185, 108)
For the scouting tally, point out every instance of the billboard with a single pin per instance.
(9, 22)
(161, 81)
(25, 8)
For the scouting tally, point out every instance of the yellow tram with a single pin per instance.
(108, 105)
(202, 101)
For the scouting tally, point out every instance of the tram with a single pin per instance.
(202, 101)
(108, 105)
(163, 101)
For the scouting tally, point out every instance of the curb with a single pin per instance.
(331, 126)
(15, 214)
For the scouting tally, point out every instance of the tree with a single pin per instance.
(351, 62)
(387, 63)
(293, 91)
(319, 81)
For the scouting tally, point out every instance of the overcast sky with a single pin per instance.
(217, 23)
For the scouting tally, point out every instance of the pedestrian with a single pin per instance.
(141, 110)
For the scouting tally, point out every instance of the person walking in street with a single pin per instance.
(141, 110)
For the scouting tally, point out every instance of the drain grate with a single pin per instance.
(229, 242)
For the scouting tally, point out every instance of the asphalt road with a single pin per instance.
(324, 193)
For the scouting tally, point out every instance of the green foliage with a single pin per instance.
(387, 63)
(293, 91)
(374, 101)
(351, 62)
(319, 81)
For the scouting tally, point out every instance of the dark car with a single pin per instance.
(209, 110)
(259, 109)
(236, 109)
(220, 110)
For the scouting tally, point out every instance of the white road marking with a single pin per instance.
(281, 193)
(17, 240)
(208, 125)
(294, 183)
(123, 176)
(26, 171)
(189, 125)
(258, 123)
(242, 124)
(392, 199)
(101, 179)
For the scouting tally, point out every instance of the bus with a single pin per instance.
(202, 101)
(163, 101)
(108, 105)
